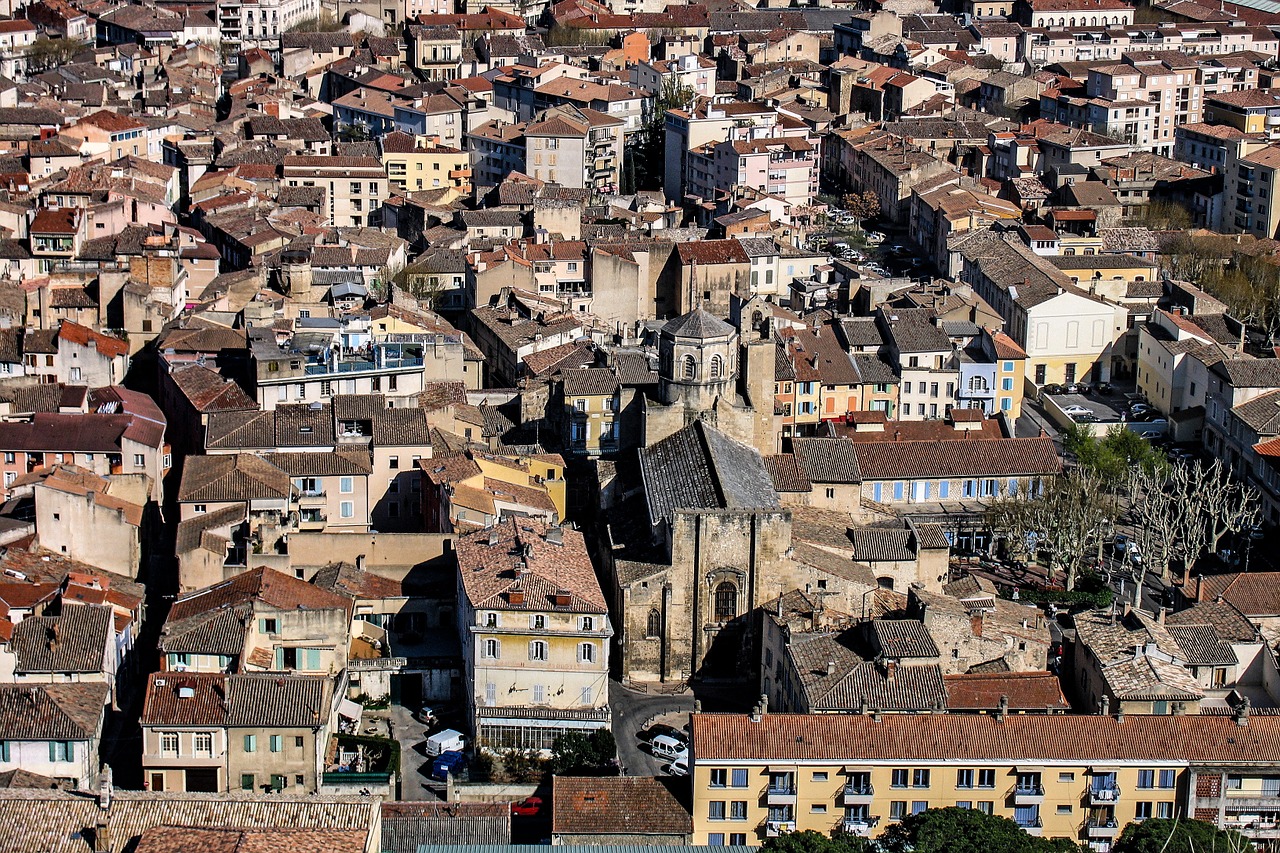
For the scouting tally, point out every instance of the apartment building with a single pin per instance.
(1078, 777)
(418, 163)
(579, 148)
(259, 23)
(212, 732)
(536, 639)
(356, 186)
(772, 161)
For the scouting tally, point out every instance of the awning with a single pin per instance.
(350, 710)
(1029, 768)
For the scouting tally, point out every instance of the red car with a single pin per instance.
(528, 807)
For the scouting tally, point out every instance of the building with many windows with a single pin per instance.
(535, 634)
(1082, 777)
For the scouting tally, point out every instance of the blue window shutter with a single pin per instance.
(70, 747)
(876, 492)
(927, 488)
(313, 659)
(4, 750)
(1013, 485)
(943, 488)
(279, 658)
(897, 490)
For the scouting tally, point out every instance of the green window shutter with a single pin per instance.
(313, 659)
(246, 782)
(279, 658)
(53, 750)
(276, 743)
(250, 743)
(70, 747)
(4, 750)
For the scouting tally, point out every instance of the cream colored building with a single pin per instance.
(535, 634)
(355, 186)
(421, 163)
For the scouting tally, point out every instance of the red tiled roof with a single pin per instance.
(1027, 691)
(84, 336)
(977, 737)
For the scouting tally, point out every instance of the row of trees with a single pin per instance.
(1178, 513)
(953, 830)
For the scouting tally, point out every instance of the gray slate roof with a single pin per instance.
(700, 467)
(75, 641)
(698, 323)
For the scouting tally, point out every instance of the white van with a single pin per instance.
(447, 740)
(668, 748)
(679, 767)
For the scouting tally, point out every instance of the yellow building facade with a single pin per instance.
(1077, 777)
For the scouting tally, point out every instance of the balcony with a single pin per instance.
(1028, 795)
(858, 794)
(774, 828)
(1102, 828)
(780, 795)
(860, 826)
(1031, 826)
(311, 497)
(1104, 795)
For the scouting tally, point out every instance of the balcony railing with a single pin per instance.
(1100, 794)
(859, 789)
(774, 828)
(1029, 822)
(1105, 828)
(859, 825)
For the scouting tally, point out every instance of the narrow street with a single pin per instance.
(632, 712)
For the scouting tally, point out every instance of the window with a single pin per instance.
(250, 743)
(719, 777)
(588, 623)
(298, 741)
(1164, 810)
(987, 778)
(918, 806)
(346, 485)
(715, 810)
(654, 628)
(688, 368)
(920, 778)
(169, 743)
(897, 810)
(268, 626)
(492, 649)
(394, 463)
(1146, 778)
(538, 695)
(715, 839)
(490, 693)
(139, 459)
(347, 509)
(818, 808)
(1167, 779)
(587, 653)
(738, 810)
(726, 602)
(986, 806)
(246, 782)
(899, 778)
(1066, 777)
(277, 743)
(717, 367)
(539, 622)
(964, 778)
(203, 743)
(739, 777)
(585, 698)
(1064, 809)
(1142, 811)
(537, 650)
(491, 620)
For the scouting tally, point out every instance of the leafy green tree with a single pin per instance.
(815, 842)
(953, 830)
(577, 754)
(45, 53)
(1160, 835)
(650, 149)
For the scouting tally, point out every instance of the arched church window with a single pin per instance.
(726, 602)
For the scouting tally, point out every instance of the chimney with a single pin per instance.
(975, 623)
(1242, 712)
(831, 668)
(1002, 710)
(1119, 713)
(890, 669)
(1160, 615)
(1105, 706)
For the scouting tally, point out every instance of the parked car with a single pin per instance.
(1089, 418)
(1076, 409)
(528, 807)
(1104, 388)
(447, 764)
(1120, 544)
(1051, 388)
(668, 748)
(662, 730)
(874, 237)
(679, 767)
(1077, 388)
